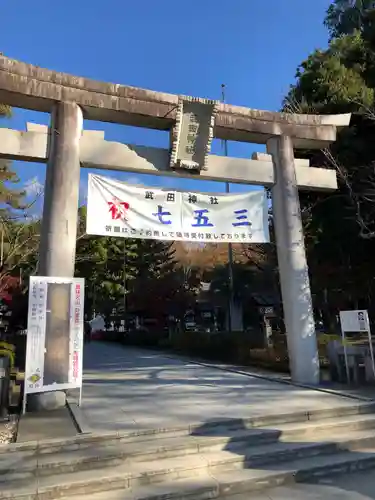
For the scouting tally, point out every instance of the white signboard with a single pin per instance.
(356, 321)
(65, 324)
(118, 209)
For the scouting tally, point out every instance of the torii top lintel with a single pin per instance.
(31, 87)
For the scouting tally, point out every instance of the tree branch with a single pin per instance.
(354, 197)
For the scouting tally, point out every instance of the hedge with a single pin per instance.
(235, 347)
(241, 348)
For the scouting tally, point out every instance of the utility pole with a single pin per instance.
(230, 248)
(124, 284)
(2, 247)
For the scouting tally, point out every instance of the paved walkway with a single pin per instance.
(56, 424)
(127, 389)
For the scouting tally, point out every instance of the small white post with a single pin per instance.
(343, 339)
(80, 396)
(24, 401)
(371, 352)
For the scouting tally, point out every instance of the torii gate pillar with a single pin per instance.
(58, 236)
(293, 269)
(60, 210)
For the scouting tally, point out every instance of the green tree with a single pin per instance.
(11, 196)
(101, 261)
(344, 17)
(19, 245)
(243, 279)
(5, 111)
(339, 228)
(334, 80)
(143, 270)
(156, 284)
(19, 234)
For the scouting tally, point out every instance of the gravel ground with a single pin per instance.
(8, 430)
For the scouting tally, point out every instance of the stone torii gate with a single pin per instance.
(65, 147)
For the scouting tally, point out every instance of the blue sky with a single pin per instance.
(191, 48)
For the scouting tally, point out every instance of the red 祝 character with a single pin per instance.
(118, 209)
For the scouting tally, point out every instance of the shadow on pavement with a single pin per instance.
(128, 389)
(354, 485)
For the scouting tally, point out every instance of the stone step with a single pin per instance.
(241, 442)
(223, 460)
(231, 455)
(210, 428)
(327, 488)
(130, 473)
(197, 488)
(286, 452)
(310, 438)
(146, 485)
(246, 480)
(308, 430)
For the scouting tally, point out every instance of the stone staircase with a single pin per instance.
(217, 459)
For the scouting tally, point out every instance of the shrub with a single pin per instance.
(143, 338)
(234, 347)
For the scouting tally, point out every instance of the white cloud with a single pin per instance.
(33, 187)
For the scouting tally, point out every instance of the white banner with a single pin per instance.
(115, 208)
(49, 317)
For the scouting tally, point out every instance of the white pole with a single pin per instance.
(80, 395)
(370, 343)
(24, 400)
(2, 247)
(230, 248)
(345, 354)
(371, 352)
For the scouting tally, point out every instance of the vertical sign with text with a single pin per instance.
(38, 331)
(77, 314)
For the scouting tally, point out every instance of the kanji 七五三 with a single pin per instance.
(201, 220)
(241, 218)
(162, 215)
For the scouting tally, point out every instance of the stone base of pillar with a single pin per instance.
(46, 401)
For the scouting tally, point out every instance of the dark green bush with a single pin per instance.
(143, 338)
(235, 347)
(238, 348)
